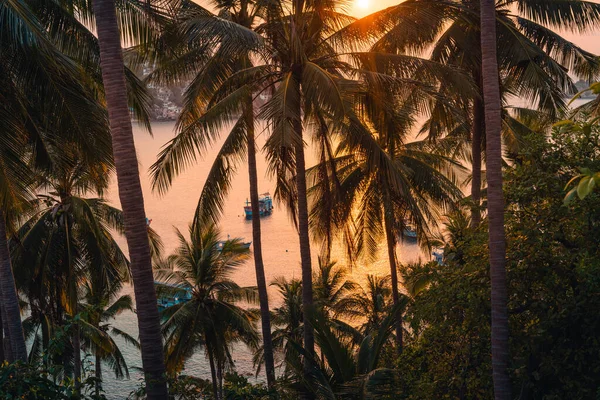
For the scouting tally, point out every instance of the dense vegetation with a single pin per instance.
(509, 311)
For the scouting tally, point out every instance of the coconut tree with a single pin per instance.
(303, 62)
(368, 203)
(223, 57)
(369, 305)
(66, 238)
(131, 197)
(100, 306)
(44, 93)
(349, 370)
(331, 285)
(497, 238)
(211, 320)
(287, 319)
(533, 58)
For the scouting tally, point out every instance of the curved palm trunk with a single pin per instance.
(476, 139)
(213, 372)
(307, 288)
(98, 373)
(261, 282)
(132, 200)
(391, 246)
(10, 299)
(220, 378)
(497, 241)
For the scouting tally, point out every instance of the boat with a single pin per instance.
(172, 298)
(438, 256)
(409, 232)
(265, 206)
(243, 245)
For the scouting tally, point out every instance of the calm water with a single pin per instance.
(176, 209)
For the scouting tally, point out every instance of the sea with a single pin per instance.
(175, 210)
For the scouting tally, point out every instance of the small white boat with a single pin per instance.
(243, 245)
(438, 255)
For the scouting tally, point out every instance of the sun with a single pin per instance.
(363, 3)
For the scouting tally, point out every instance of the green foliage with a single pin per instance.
(236, 387)
(553, 267)
(24, 381)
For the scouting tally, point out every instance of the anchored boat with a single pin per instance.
(221, 244)
(171, 295)
(409, 232)
(265, 206)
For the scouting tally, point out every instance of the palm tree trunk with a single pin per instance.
(98, 373)
(2, 353)
(261, 282)
(132, 200)
(307, 288)
(6, 342)
(10, 299)
(497, 241)
(476, 139)
(391, 246)
(220, 378)
(77, 360)
(213, 371)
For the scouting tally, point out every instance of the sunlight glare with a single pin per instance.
(362, 3)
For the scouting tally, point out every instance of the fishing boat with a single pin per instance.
(409, 232)
(243, 245)
(172, 295)
(265, 206)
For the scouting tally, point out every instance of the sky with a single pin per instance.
(360, 8)
(589, 42)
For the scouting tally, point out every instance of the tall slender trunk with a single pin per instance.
(10, 299)
(73, 299)
(220, 368)
(131, 197)
(261, 282)
(476, 138)
(307, 287)
(391, 246)
(497, 241)
(77, 359)
(2, 338)
(98, 373)
(2, 353)
(213, 371)
(6, 342)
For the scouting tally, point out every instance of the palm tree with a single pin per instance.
(331, 286)
(176, 67)
(131, 197)
(369, 202)
(211, 320)
(287, 319)
(497, 239)
(348, 370)
(302, 60)
(102, 304)
(369, 305)
(534, 60)
(66, 239)
(41, 92)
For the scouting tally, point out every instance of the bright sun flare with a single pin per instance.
(362, 3)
